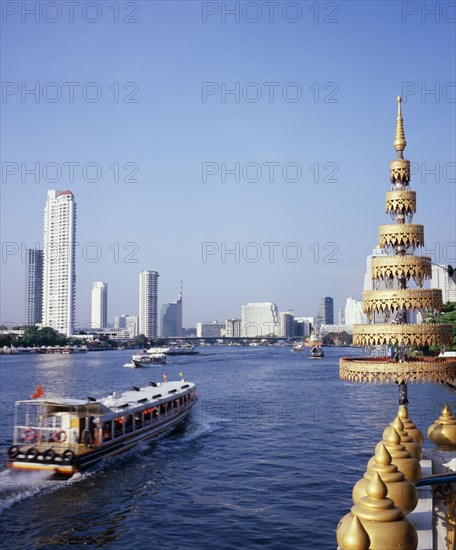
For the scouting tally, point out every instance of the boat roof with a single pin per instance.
(154, 394)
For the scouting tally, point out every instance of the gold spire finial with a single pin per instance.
(399, 140)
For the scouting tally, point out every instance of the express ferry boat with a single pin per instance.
(54, 434)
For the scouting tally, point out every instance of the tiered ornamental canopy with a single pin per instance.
(398, 297)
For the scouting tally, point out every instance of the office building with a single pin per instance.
(99, 305)
(212, 329)
(233, 328)
(286, 324)
(59, 258)
(325, 315)
(33, 286)
(303, 326)
(260, 319)
(171, 318)
(148, 296)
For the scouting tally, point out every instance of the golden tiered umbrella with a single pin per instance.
(398, 297)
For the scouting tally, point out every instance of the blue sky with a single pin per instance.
(347, 60)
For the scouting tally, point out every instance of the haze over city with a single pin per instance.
(248, 159)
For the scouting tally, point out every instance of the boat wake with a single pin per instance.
(17, 486)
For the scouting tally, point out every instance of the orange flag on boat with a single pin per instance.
(39, 392)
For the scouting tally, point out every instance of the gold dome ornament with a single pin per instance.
(443, 431)
(409, 426)
(409, 443)
(402, 458)
(384, 523)
(402, 491)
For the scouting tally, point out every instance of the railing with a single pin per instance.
(45, 437)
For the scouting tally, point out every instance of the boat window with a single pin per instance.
(107, 431)
(118, 427)
(162, 409)
(154, 412)
(147, 416)
(138, 421)
(129, 424)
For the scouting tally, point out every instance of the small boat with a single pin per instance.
(299, 346)
(316, 352)
(65, 436)
(147, 359)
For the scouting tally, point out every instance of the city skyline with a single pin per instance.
(217, 203)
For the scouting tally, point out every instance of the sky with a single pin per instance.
(240, 147)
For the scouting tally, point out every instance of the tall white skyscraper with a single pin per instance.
(33, 286)
(260, 319)
(59, 258)
(148, 294)
(99, 305)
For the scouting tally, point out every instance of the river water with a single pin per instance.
(268, 457)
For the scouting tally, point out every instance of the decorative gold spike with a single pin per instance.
(399, 141)
(355, 537)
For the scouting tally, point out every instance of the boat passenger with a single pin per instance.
(91, 431)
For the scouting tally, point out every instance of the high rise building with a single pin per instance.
(325, 315)
(59, 258)
(99, 305)
(148, 295)
(286, 324)
(260, 319)
(33, 286)
(441, 279)
(171, 318)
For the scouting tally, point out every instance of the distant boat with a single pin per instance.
(298, 347)
(148, 359)
(316, 352)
